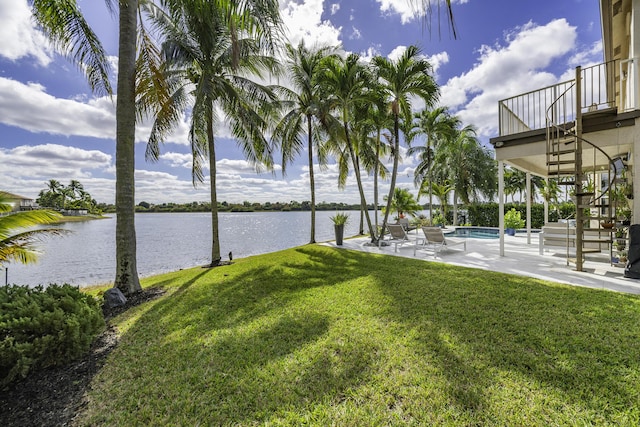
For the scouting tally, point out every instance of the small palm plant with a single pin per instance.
(340, 218)
(17, 239)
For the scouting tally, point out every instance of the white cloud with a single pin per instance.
(30, 107)
(335, 7)
(355, 34)
(19, 34)
(303, 21)
(504, 71)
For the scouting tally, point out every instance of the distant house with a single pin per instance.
(19, 203)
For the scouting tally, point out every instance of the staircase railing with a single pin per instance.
(565, 159)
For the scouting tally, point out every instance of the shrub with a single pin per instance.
(512, 219)
(42, 327)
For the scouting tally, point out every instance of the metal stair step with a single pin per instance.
(562, 152)
(562, 172)
(597, 240)
(591, 251)
(560, 162)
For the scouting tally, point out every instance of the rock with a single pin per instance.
(114, 298)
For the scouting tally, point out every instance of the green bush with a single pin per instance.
(41, 327)
(486, 214)
(513, 219)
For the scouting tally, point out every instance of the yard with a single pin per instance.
(321, 336)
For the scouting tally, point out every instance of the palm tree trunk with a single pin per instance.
(126, 265)
(356, 169)
(312, 183)
(455, 207)
(394, 173)
(375, 181)
(215, 234)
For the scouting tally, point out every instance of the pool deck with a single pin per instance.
(520, 258)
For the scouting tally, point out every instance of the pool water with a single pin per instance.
(475, 232)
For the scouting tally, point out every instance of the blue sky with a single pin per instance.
(52, 127)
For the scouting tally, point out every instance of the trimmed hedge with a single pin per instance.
(486, 214)
(42, 327)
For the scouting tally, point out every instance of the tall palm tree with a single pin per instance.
(436, 125)
(403, 81)
(344, 83)
(304, 109)
(68, 30)
(378, 119)
(469, 167)
(17, 238)
(210, 48)
(441, 190)
(373, 143)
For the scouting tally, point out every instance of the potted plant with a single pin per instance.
(339, 221)
(622, 257)
(438, 220)
(512, 221)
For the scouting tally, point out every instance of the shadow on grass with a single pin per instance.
(561, 345)
(257, 340)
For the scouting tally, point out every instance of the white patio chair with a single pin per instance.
(435, 239)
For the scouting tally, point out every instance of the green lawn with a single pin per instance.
(322, 336)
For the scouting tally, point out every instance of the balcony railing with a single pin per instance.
(527, 111)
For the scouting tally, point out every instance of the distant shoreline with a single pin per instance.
(80, 218)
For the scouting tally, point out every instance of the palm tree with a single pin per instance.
(209, 50)
(469, 168)
(404, 203)
(17, 241)
(436, 125)
(344, 83)
(424, 9)
(304, 107)
(515, 182)
(378, 119)
(441, 190)
(373, 144)
(56, 190)
(550, 192)
(402, 81)
(77, 189)
(68, 30)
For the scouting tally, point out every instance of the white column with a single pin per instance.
(546, 204)
(528, 208)
(501, 204)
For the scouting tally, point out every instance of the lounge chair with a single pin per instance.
(398, 235)
(434, 239)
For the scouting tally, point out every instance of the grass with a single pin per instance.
(322, 336)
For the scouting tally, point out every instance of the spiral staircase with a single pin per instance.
(581, 165)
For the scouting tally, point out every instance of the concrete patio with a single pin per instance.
(520, 258)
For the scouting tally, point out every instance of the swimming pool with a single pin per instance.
(475, 232)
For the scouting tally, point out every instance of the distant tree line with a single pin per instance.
(245, 206)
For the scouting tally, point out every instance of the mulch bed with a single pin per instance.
(54, 396)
